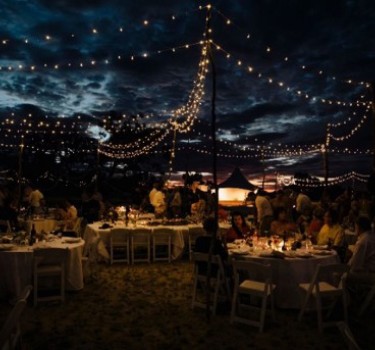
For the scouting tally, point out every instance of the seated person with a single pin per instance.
(281, 225)
(331, 233)
(202, 244)
(316, 224)
(362, 262)
(239, 229)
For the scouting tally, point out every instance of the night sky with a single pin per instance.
(284, 70)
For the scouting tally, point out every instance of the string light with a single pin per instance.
(268, 49)
(293, 90)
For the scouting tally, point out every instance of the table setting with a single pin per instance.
(16, 261)
(290, 265)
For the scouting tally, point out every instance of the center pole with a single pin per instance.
(214, 154)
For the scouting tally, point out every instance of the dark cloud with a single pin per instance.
(91, 72)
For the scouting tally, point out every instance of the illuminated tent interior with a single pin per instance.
(235, 188)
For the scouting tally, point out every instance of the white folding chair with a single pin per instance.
(251, 279)
(10, 334)
(348, 336)
(162, 244)
(48, 263)
(218, 281)
(119, 247)
(328, 282)
(194, 233)
(140, 239)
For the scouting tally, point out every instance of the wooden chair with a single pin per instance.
(251, 279)
(119, 246)
(49, 262)
(140, 240)
(194, 233)
(10, 333)
(328, 282)
(218, 282)
(162, 244)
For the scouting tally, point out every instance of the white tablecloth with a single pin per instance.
(288, 273)
(16, 267)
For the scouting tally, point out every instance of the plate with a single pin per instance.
(304, 255)
(240, 251)
(231, 245)
(71, 240)
(323, 252)
(320, 247)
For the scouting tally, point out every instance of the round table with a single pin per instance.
(16, 266)
(288, 273)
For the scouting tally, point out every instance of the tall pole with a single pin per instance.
(214, 154)
(372, 89)
(19, 172)
(325, 150)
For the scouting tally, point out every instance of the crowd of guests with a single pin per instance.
(296, 216)
(188, 201)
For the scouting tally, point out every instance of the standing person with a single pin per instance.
(194, 194)
(158, 201)
(303, 204)
(175, 203)
(264, 213)
(239, 229)
(35, 199)
(71, 215)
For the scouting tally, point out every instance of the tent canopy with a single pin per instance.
(237, 180)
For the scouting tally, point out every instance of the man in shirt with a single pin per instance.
(35, 199)
(362, 263)
(264, 213)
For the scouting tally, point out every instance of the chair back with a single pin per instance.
(195, 232)
(202, 259)
(252, 271)
(50, 256)
(334, 274)
(162, 235)
(119, 235)
(141, 235)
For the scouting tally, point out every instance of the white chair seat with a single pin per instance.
(254, 286)
(257, 283)
(321, 287)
